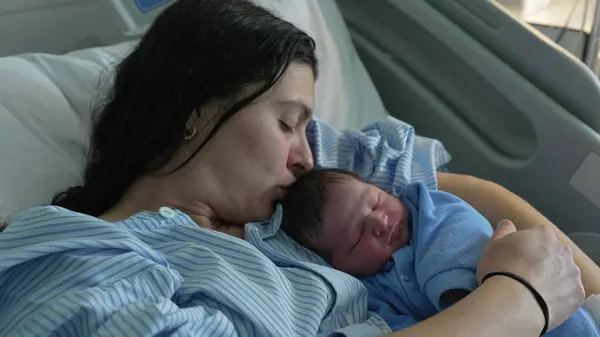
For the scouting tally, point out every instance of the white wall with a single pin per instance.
(551, 17)
(554, 13)
(56, 26)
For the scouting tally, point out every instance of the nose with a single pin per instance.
(378, 223)
(300, 159)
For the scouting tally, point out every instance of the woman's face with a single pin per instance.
(248, 164)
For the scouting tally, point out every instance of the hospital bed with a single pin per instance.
(509, 105)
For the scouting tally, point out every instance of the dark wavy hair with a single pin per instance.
(196, 51)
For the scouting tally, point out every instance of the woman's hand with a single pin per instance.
(539, 257)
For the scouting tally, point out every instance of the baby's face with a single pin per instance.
(362, 226)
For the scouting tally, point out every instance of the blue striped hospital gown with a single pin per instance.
(158, 274)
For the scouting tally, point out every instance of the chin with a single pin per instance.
(379, 264)
(382, 264)
(369, 269)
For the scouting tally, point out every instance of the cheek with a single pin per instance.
(376, 253)
(232, 151)
(371, 257)
(265, 154)
(243, 144)
(261, 142)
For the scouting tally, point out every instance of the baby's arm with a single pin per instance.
(448, 239)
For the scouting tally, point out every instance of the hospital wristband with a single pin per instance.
(537, 295)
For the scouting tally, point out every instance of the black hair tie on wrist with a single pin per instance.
(537, 295)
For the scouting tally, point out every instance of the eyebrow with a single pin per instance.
(307, 112)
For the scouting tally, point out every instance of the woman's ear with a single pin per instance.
(191, 126)
(205, 119)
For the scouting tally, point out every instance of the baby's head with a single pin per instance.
(353, 225)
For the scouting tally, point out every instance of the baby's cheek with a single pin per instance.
(375, 259)
(383, 255)
(366, 260)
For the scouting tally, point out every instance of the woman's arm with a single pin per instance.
(497, 203)
(488, 311)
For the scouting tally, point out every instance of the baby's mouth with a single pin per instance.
(394, 232)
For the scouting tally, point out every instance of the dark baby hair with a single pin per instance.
(304, 202)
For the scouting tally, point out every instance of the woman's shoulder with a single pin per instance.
(38, 212)
(47, 218)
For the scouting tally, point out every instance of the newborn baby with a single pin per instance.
(416, 253)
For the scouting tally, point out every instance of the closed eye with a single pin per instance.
(360, 235)
(285, 127)
(378, 202)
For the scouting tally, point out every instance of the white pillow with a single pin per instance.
(45, 108)
(46, 103)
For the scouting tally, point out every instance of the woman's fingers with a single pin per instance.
(503, 228)
(539, 257)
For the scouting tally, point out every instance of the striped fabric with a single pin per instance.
(158, 274)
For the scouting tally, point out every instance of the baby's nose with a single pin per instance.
(380, 224)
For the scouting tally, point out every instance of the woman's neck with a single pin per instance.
(151, 193)
(125, 209)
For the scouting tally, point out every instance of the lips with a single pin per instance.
(396, 232)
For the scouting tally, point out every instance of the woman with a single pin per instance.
(203, 132)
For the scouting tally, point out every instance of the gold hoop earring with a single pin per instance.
(189, 134)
